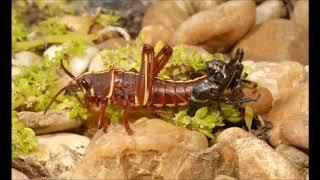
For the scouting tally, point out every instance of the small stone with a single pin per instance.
(78, 23)
(51, 51)
(166, 13)
(263, 104)
(96, 64)
(217, 30)
(75, 142)
(295, 130)
(298, 158)
(256, 158)
(220, 159)
(224, 177)
(52, 121)
(155, 150)
(301, 14)
(56, 159)
(204, 5)
(79, 64)
(154, 33)
(112, 43)
(17, 175)
(58, 153)
(270, 10)
(276, 40)
(289, 117)
(278, 77)
(25, 58)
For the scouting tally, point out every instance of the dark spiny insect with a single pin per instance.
(136, 90)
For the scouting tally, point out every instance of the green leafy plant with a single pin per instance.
(23, 139)
(19, 31)
(107, 19)
(207, 118)
(50, 26)
(34, 86)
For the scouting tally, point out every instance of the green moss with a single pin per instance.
(50, 26)
(34, 87)
(207, 118)
(19, 31)
(52, 8)
(107, 19)
(23, 139)
(54, 39)
(115, 113)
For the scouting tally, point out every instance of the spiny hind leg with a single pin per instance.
(126, 122)
(103, 121)
(143, 82)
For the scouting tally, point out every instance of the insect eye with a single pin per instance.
(84, 83)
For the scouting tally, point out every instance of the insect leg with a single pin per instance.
(125, 121)
(161, 59)
(143, 81)
(102, 120)
(233, 100)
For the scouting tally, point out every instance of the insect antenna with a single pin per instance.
(58, 93)
(66, 71)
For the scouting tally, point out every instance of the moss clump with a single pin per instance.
(23, 139)
(34, 87)
(19, 31)
(107, 19)
(208, 117)
(50, 26)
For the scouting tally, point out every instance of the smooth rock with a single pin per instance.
(271, 9)
(220, 159)
(155, 150)
(154, 33)
(112, 43)
(204, 5)
(298, 158)
(97, 64)
(17, 175)
(14, 71)
(300, 14)
(78, 23)
(25, 58)
(58, 153)
(306, 68)
(166, 13)
(56, 160)
(257, 160)
(289, 117)
(224, 177)
(295, 130)
(278, 77)
(51, 51)
(75, 142)
(263, 104)
(218, 29)
(276, 40)
(53, 121)
(79, 64)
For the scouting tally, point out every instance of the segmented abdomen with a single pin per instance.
(171, 93)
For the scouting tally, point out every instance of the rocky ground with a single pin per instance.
(274, 36)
